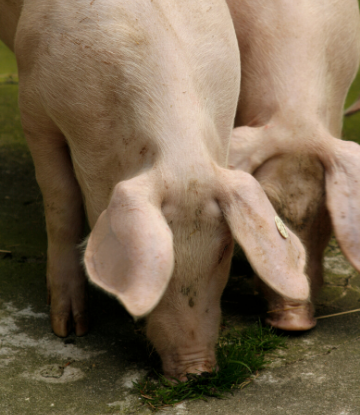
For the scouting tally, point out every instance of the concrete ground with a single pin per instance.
(41, 374)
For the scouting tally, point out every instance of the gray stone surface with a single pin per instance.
(41, 374)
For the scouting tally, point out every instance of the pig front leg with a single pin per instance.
(64, 216)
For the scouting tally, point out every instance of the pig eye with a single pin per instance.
(223, 253)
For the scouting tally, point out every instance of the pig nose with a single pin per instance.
(195, 377)
(202, 371)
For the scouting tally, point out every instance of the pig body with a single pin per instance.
(127, 108)
(298, 61)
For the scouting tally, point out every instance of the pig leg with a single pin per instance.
(66, 281)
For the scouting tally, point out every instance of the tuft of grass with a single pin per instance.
(239, 355)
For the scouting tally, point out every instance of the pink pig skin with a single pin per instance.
(298, 61)
(128, 108)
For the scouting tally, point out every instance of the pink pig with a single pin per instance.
(128, 108)
(298, 61)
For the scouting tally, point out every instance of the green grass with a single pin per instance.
(239, 355)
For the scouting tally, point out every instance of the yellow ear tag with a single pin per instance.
(281, 227)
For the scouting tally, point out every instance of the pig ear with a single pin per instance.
(342, 178)
(130, 251)
(278, 261)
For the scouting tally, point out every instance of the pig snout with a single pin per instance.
(287, 130)
(185, 336)
(292, 317)
(184, 346)
(285, 314)
(178, 367)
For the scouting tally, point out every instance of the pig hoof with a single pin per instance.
(63, 324)
(81, 324)
(292, 319)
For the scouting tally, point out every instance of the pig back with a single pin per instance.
(295, 55)
(129, 83)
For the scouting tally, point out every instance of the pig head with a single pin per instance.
(298, 61)
(167, 256)
(128, 109)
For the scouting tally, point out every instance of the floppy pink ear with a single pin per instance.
(278, 261)
(342, 181)
(130, 251)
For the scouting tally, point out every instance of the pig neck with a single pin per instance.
(181, 157)
(173, 134)
(9, 17)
